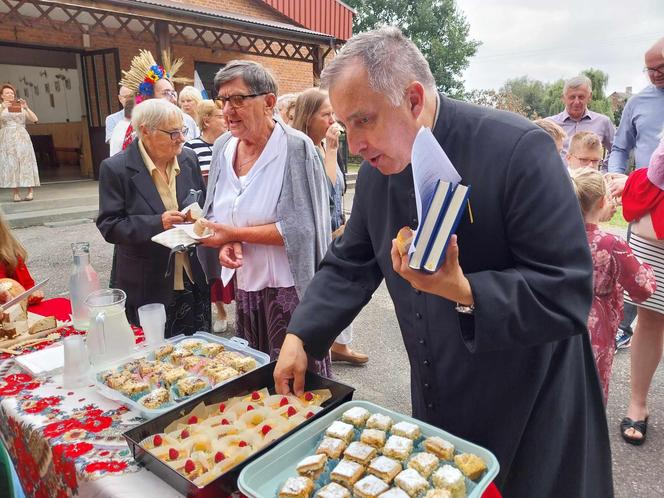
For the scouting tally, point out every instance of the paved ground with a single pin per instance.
(637, 471)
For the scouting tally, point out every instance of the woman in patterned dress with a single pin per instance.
(18, 164)
(269, 204)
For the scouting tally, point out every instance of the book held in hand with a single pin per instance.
(442, 213)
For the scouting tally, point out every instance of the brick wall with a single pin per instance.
(292, 76)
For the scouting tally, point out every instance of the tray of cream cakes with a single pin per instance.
(156, 380)
(200, 447)
(362, 450)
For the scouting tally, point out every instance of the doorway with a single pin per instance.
(49, 80)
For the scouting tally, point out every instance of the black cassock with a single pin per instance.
(517, 377)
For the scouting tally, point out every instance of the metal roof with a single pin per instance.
(203, 13)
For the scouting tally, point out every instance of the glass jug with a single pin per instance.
(82, 281)
(110, 337)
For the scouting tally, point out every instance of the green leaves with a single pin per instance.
(437, 27)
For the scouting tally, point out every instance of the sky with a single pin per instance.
(552, 39)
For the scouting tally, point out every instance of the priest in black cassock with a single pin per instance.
(497, 339)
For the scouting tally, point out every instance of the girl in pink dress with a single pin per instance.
(615, 269)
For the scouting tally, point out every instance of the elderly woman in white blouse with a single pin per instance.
(268, 206)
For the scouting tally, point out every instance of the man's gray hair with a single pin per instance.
(255, 76)
(578, 82)
(153, 113)
(391, 60)
(285, 99)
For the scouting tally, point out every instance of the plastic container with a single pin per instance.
(251, 381)
(263, 477)
(235, 344)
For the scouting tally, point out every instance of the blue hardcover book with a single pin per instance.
(433, 214)
(453, 212)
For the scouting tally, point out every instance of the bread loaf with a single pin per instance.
(404, 239)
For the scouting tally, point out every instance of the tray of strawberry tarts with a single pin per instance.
(200, 447)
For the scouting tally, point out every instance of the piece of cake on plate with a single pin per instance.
(379, 421)
(411, 482)
(438, 493)
(471, 465)
(374, 437)
(172, 376)
(360, 452)
(424, 463)
(156, 399)
(398, 447)
(347, 473)
(406, 429)
(440, 447)
(394, 493)
(333, 490)
(163, 351)
(211, 349)
(341, 430)
(332, 447)
(451, 479)
(312, 466)
(297, 487)
(369, 487)
(356, 416)
(385, 468)
(190, 385)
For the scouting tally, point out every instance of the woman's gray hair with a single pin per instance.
(392, 62)
(257, 78)
(578, 82)
(153, 113)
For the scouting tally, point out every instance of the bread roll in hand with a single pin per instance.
(404, 239)
(200, 227)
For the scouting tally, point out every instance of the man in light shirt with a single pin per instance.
(112, 120)
(576, 117)
(640, 124)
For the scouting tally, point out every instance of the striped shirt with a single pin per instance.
(203, 151)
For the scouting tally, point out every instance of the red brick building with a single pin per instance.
(65, 57)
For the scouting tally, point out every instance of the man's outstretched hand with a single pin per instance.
(291, 367)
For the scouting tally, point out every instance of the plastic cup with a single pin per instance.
(76, 372)
(153, 322)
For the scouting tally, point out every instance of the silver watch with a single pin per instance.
(466, 310)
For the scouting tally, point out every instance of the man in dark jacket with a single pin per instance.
(497, 339)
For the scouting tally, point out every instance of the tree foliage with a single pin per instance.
(437, 27)
(502, 99)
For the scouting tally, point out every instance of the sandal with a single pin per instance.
(638, 425)
(17, 198)
(29, 197)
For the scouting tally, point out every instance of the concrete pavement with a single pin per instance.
(385, 380)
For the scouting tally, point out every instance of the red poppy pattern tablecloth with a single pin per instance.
(67, 443)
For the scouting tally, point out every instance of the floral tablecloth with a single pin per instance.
(69, 442)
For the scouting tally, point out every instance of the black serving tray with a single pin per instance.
(252, 381)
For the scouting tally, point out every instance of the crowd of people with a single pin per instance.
(510, 343)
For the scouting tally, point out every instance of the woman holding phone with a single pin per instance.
(18, 164)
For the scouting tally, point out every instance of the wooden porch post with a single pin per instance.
(163, 37)
(319, 62)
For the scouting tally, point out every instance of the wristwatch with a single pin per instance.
(466, 310)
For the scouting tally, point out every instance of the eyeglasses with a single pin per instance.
(655, 71)
(237, 100)
(586, 161)
(175, 134)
